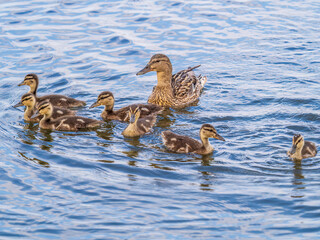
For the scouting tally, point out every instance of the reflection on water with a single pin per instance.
(298, 180)
(40, 162)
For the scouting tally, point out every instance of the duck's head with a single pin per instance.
(157, 63)
(105, 98)
(208, 131)
(32, 81)
(134, 115)
(27, 100)
(45, 108)
(297, 143)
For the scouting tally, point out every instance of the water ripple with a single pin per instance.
(261, 60)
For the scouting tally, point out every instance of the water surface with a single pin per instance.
(262, 63)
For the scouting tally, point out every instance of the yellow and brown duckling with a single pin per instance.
(32, 81)
(178, 90)
(138, 126)
(107, 99)
(301, 149)
(29, 101)
(184, 144)
(65, 123)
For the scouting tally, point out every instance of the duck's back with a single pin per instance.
(179, 143)
(145, 110)
(74, 123)
(186, 84)
(61, 101)
(309, 149)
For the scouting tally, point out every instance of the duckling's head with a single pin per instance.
(208, 131)
(134, 115)
(157, 63)
(27, 100)
(32, 81)
(297, 143)
(45, 108)
(105, 98)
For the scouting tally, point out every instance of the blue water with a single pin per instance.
(262, 60)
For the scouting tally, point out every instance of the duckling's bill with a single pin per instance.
(96, 104)
(217, 136)
(19, 104)
(22, 83)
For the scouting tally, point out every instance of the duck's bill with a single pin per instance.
(219, 137)
(293, 149)
(145, 70)
(19, 104)
(96, 104)
(22, 83)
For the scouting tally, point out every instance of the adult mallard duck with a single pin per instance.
(138, 126)
(107, 99)
(184, 144)
(65, 123)
(32, 81)
(178, 90)
(29, 100)
(301, 149)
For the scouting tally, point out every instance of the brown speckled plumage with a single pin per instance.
(107, 99)
(184, 144)
(138, 126)
(65, 123)
(58, 100)
(301, 149)
(178, 90)
(30, 102)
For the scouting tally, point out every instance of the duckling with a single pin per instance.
(29, 100)
(32, 81)
(301, 149)
(178, 90)
(138, 126)
(107, 99)
(65, 123)
(184, 144)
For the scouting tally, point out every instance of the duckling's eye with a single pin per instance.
(157, 61)
(103, 98)
(209, 130)
(26, 99)
(299, 140)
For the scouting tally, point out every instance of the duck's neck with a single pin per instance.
(29, 111)
(33, 89)
(164, 78)
(298, 153)
(206, 144)
(108, 109)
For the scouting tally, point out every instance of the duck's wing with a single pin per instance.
(145, 124)
(61, 100)
(145, 110)
(309, 149)
(186, 84)
(179, 143)
(74, 123)
(60, 112)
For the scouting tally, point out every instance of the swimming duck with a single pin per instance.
(138, 126)
(107, 99)
(178, 90)
(65, 123)
(184, 144)
(29, 100)
(301, 149)
(32, 81)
